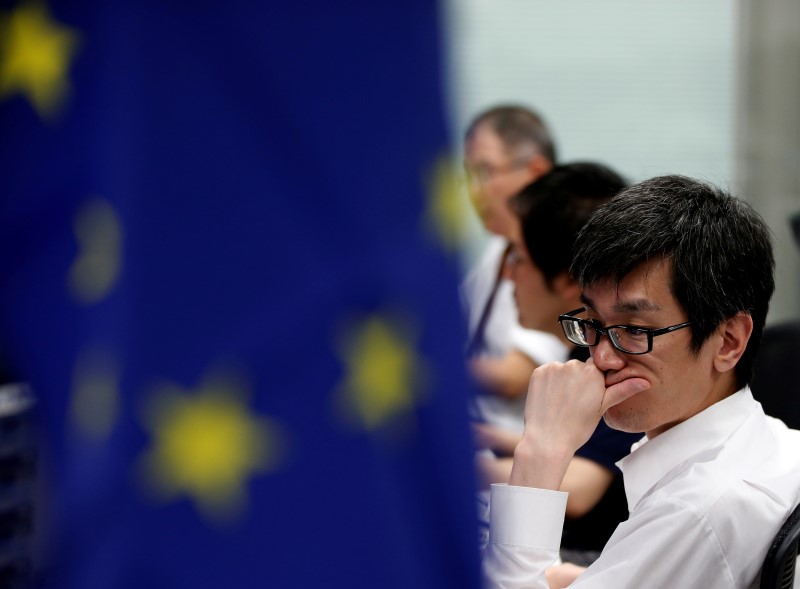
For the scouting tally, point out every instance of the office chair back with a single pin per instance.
(775, 383)
(779, 565)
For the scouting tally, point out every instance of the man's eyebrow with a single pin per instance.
(636, 306)
(630, 306)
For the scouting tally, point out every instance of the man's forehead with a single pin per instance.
(647, 288)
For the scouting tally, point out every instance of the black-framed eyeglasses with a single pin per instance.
(630, 339)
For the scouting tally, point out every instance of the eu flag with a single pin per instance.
(227, 273)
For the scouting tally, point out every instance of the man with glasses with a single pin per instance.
(676, 278)
(506, 148)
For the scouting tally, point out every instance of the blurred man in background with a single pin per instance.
(551, 213)
(506, 148)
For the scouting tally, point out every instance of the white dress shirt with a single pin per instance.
(706, 499)
(502, 332)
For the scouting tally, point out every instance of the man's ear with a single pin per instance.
(538, 166)
(734, 333)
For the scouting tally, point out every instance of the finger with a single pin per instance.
(622, 391)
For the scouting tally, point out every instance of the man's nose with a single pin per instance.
(606, 356)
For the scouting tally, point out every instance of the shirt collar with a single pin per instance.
(650, 460)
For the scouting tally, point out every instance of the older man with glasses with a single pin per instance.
(676, 278)
(505, 149)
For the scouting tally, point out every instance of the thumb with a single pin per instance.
(621, 391)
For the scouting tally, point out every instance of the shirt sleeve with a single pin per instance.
(524, 536)
(668, 544)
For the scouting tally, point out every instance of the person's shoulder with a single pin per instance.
(486, 264)
(540, 346)
(763, 478)
(492, 251)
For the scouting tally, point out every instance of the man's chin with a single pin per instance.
(624, 419)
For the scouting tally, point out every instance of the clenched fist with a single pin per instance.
(565, 403)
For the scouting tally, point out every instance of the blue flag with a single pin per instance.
(228, 274)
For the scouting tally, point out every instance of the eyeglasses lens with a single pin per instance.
(629, 340)
(577, 332)
(583, 333)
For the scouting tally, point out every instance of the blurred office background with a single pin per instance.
(706, 89)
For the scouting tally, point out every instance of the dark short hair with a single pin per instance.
(554, 208)
(518, 127)
(718, 247)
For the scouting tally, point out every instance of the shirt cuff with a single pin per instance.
(526, 516)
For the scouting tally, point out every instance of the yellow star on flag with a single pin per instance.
(35, 54)
(446, 211)
(207, 445)
(384, 375)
